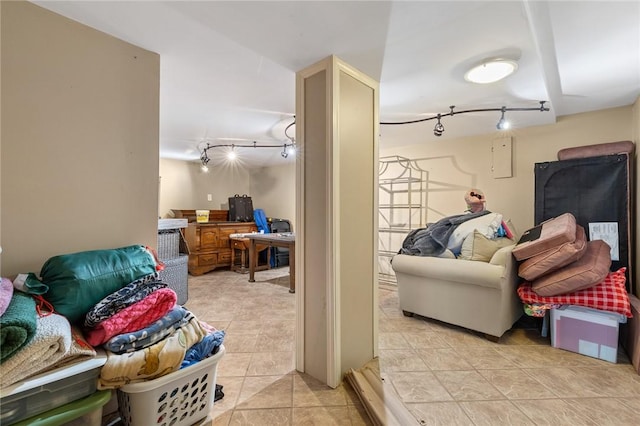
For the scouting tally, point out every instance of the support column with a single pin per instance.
(337, 130)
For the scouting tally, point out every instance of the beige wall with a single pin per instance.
(457, 165)
(79, 165)
(273, 189)
(636, 139)
(184, 186)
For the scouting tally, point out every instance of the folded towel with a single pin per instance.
(135, 317)
(155, 361)
(120, 299)
(6, 293)
(136, 340)
(208, 346)
(50, 343)
(17, 325)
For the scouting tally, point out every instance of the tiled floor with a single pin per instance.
(445, 375)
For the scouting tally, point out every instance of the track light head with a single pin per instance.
(438, 129)
(284, 153)
(502, 123)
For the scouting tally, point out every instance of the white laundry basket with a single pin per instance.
(180, 398)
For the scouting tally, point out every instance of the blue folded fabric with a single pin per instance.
(203, 349)
(128, 342)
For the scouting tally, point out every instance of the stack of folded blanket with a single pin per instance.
(32, 342)
(145, 334)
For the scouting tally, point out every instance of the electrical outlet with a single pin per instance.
(209, 198)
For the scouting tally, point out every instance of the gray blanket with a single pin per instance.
(432, 240)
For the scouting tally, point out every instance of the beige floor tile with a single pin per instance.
(271, 363)
(392, 340)
(283, 342)
(424, 339)
(400, 360)
(581, 382)
(463, 377)
(266, 392)
(606, 411)
(240, 342)
(633, 403)
(515, 384)
(490, 413)
(220, 418)
(234, 364)
(251, 327)
(552, 412)
(466, 385)
(261, 417)
(231, 387)
(422, 386)
(440, 413)
(310, 392)
(484, 357)
(322, 416)
(443, 359)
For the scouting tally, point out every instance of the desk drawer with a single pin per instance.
(207, 259)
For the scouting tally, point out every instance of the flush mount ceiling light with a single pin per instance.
(491, 70)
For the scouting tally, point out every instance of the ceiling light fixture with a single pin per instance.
(491, 70)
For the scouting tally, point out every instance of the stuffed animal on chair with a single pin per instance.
(475, 200)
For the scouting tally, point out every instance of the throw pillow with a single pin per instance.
(478, 247)
(487, 225)
(554, 258)
(586, 272)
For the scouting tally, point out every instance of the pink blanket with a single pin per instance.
(135, 317)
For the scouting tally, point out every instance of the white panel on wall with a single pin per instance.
(501, 158)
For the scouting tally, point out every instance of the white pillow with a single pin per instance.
(487, 225)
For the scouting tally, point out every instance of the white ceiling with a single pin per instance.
(228, 67)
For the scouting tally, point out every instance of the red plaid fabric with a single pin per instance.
(608, 295)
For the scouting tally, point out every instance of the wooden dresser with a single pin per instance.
(208, 243)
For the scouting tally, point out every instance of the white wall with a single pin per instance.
(79, 131)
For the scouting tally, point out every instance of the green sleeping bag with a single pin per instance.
(78, 281)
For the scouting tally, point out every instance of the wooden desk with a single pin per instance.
(286, 240)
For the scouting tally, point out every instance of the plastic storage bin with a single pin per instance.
(176, 275)
(50, 390)
(83, 412)
(587, 331)
(177, 399)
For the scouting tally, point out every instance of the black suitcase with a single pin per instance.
(240, 208)
(280, 255)
(598, 192)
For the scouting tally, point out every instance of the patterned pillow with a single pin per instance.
(608, 295)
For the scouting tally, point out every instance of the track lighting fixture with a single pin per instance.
(502, 123)
(438, 130)
(287, 148)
